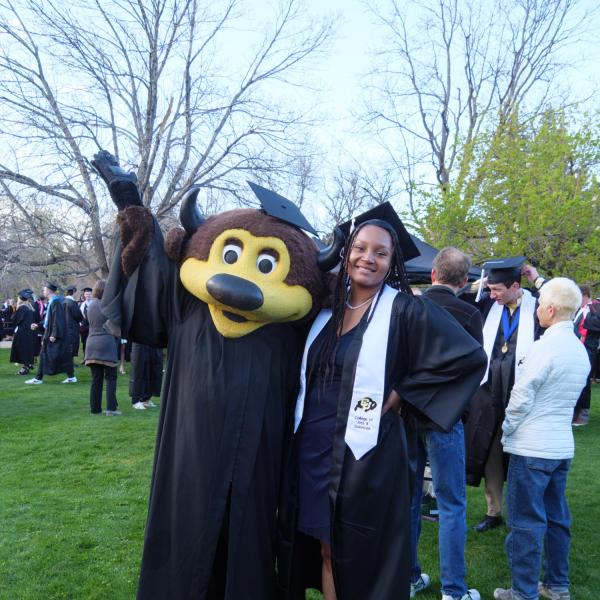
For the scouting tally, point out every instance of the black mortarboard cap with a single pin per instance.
(500, 270)
(71, 289)
(281, 208)
(86, 289)
(385, 212)
(52, 286)
(25, 294)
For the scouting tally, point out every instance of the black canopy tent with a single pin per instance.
(419, 268)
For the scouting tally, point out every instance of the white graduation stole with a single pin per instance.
(364, 415)
(525, 337)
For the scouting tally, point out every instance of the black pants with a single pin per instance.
(99, 373)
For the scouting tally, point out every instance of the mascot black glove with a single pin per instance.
(122, 186)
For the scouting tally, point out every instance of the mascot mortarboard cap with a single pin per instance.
(385, 212)
(504, 269)
(281, 208)
(52, 286)
(71, 289)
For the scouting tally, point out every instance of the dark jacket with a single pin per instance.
(466, 314)
(592, 324)
(101, 347)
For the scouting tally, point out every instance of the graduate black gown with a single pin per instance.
(145, 378)
(488, 404)
(226, 411)
(434, 365)
(56, 356)
(73, 317)
(23, 346)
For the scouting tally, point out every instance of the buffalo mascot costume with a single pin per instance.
(225, 295)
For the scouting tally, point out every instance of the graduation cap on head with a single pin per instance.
(504, 269)
(280, 208)
(25, 294)
(86, 289)
(52, 286)
(71, 289)
(384, 212)
(501, 270)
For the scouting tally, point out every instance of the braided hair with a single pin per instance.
(396, 278)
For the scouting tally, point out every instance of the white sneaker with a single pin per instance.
(149, 404)
(420, 584)
(34, 381)
(138, 406)
(70, 380)
(113, 413)
(470, 595)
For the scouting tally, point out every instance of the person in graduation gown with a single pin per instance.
(40, 312)
(224, 294)
(73, 318)
(84, 326)
(55, 355)
(345, 516)
(23, 345)
(145, 379)
(510, 328)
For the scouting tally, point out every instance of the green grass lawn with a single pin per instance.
(74, 489)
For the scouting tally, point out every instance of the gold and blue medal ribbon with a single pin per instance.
(509, 328)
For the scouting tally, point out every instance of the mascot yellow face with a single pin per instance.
(251, 270)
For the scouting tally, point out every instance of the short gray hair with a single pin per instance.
(563, 294)
(451, 266)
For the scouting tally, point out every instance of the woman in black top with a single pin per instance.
(345, 522)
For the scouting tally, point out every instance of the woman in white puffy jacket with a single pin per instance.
(538, 436)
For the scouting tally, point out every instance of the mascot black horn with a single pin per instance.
(226, 295)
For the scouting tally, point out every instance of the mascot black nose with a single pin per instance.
(235, 292)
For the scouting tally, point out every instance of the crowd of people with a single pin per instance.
(484, 382)
(48, 330)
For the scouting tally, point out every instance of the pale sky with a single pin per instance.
(340, 74)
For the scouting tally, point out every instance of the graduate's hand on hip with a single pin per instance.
(393, 402)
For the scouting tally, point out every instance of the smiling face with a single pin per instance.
(370, 257)
(249, 280)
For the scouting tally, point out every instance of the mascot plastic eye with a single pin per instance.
(266, 263)
(231, 253)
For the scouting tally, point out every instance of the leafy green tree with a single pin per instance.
(529, 187)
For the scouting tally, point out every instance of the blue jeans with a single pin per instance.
(446, 452)
(538, 516)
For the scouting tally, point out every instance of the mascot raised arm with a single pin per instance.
(226, 294)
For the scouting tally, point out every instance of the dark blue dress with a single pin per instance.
(316, 438)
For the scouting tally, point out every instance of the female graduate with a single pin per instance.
(345, 513)
(23, 346)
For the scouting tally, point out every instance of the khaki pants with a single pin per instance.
(494, 477)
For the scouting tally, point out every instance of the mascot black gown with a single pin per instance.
(225, 295)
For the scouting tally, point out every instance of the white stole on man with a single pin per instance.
(364, 416)
(526, 331)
